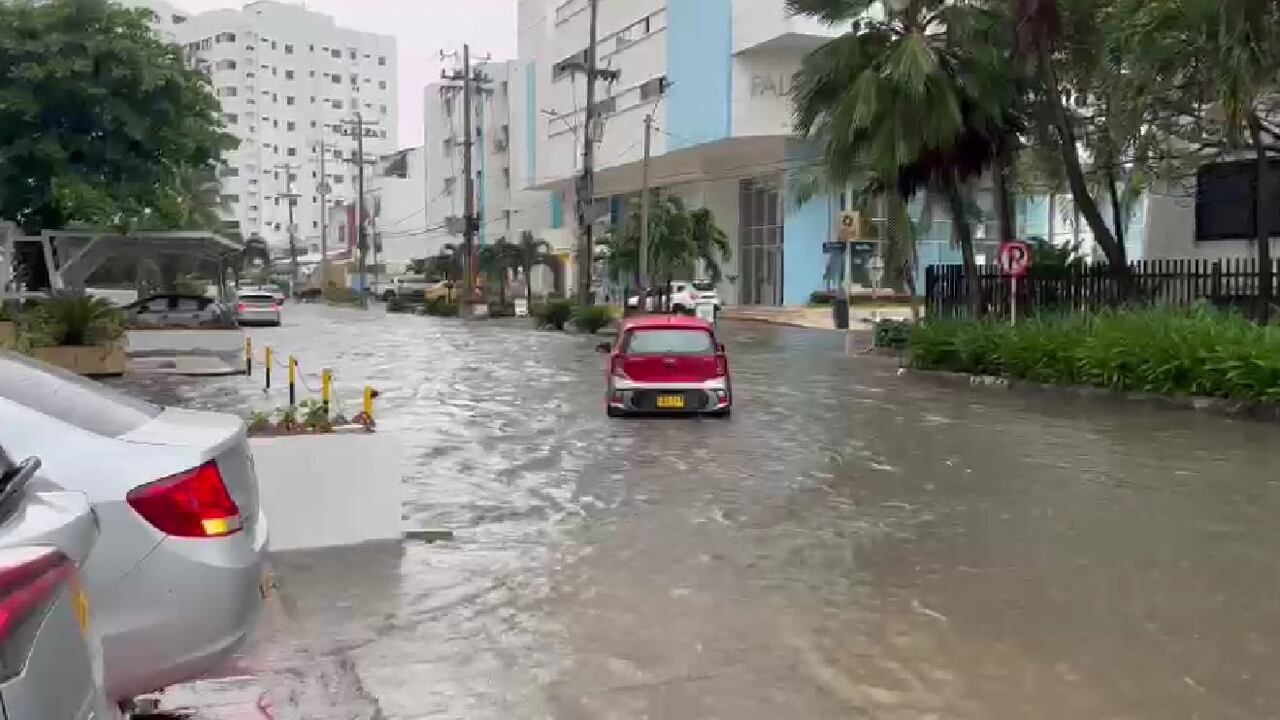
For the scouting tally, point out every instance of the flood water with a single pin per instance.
(853, 543)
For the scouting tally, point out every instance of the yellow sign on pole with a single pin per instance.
(850, 226)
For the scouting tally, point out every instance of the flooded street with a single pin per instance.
(852, 544)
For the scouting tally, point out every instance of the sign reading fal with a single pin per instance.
(770, 85)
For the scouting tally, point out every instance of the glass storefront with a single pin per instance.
(760, 241)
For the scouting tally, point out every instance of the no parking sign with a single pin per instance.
(1015, 262)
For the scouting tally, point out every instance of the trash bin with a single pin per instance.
(840, 313)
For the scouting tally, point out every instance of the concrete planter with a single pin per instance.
(330, 490)
(8, 332)
(90, 360)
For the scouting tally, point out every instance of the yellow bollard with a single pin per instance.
(248, 356)
(268, 366)
(326, 388)
(293, 378)
(368, 402)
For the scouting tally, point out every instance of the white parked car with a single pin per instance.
(177, 578)
(683, 295)
(258, 308)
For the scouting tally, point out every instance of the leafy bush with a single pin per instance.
(556, 314)
(592, 318)
(892, 334)
(1169, 352)
(441, 307)
(822, 297)
(69, 318)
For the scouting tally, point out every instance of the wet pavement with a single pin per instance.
(852, 544)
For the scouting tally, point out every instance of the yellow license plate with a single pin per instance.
(81, 604)
(671, 402)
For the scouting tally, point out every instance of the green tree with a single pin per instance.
(101, 122)
(533, 253)
(923, 97)
(496, 260)
(682, 242)
(445, 266)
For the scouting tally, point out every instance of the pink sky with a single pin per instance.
(422, 29)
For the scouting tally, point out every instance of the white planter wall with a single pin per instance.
(329, 490)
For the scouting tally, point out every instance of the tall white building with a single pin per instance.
(291, 83)
(504, 209)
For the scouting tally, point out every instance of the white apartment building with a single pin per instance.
(291, 83)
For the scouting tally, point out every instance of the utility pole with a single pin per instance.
(362, 239)
(472, 83)
(643, 270)
(586, 182)
(323, 189)
(291, 198)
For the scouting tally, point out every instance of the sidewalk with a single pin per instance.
(815, 317)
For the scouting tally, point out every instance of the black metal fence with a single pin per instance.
(1230, 283)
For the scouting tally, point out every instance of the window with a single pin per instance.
(230, 172)
(313, 122)
(311, 73)
(337, 179)
(275, 98)
(355, 79)
(288, 49)
(292, 152)
(178, 19)
(273, 45)
(293, 177)
(382, 60)
(336, 54)
(226, 37)
(336, 78)
(290, 100)
(226, 65)
(337, 104)
(291, 125)
(230, 118)
(353, 53)
(230, 199)
(382, 134)
(72, 399)
(382, 109)
(382, 84)
(288, 74)
(568, 65)
(668, 342)
(1225, 207)
(227, 92)
(311, 48)
(275, 72)
(275, 124)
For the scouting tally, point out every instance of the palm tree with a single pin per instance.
(923, 98)
(680, 241)
(496, 261)
(532, 253)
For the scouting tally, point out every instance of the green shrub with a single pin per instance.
(556, 314)
(72, 318)
(592, 318)
(441, 307)
(892, 334)
(1169, 352)
(822, 297)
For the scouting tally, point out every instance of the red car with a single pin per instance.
(667, 364)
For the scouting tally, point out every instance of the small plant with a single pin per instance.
(69, 318)
(892, 334)
(259, 423)
(592, 318)
(315, 416)
(556, 314)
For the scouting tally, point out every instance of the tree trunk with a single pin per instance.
(528, 285)
(1087, 206)
(964, 238)
(1003, 193)
(1117, 211)
(911, 258)
(1262, 209)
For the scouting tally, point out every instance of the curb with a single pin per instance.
(1261, 412)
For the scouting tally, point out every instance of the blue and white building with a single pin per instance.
(716, 76)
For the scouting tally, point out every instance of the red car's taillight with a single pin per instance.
(26, 590)
(617, 367)
(193, 504)
(722, 366)
(241, 307)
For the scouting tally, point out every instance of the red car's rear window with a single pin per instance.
(669, 341)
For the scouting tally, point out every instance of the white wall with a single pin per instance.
(761, 92)
(767, 22)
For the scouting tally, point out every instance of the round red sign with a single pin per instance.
(1015, 258)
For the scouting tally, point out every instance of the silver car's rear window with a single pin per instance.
(257, 299)
(71, 398)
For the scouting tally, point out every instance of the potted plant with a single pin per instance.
(79, 333)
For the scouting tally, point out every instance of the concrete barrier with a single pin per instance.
(330, 490)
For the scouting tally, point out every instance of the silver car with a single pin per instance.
(178, 576)
(258, 308)
(178, 311)
(53, 659)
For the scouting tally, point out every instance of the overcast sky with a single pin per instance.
(422, 28)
